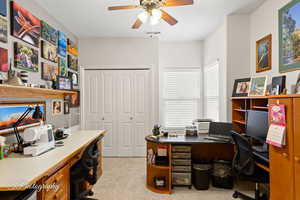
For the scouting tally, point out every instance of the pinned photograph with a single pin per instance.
(57, 107)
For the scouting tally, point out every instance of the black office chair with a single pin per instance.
(85, 169)
(244, 167)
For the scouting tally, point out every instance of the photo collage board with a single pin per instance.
(38, 47)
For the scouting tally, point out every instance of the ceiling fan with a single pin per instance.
(153, 10)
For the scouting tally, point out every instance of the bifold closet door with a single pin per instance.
(133, 112)
(118, 101)
(100, 107)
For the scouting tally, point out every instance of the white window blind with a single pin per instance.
(211, 91)
(181, 97)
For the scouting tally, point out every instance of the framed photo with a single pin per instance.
(72, 63)
(12, 110)
(74, 77)
(72, 48)
(258, 86)
(24, 25)
(64, 83)
(49, 72)
(49, 51)
(278, 85)
(3, 30)
(49, 33)
(241, 87)
(57, 107)
(62, 44)
(3, 60)
(75, 99)
(26, 58)
(289, 37)
(264, 54)
(63, 68)
(66, 107)
(3, 8)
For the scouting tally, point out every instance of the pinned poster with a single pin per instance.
(277, 130)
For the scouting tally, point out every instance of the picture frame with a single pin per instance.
(49, 33)
(3, 8)
(241, 87)
(258, 86)
(13, 109)
(49, 51)
(289, 37)
(62, 44)
(57, 107)
(66, 107)
(26, 58)
(74, 77)
(63, 68)
(49, 72)
(264, 54)
(75, 99)
(64, 83)
(278, 85)
(20, 16)
(3, 30)
(72, 48)
(72, 63)
(3, 60)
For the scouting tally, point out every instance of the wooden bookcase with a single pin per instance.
(240, 106)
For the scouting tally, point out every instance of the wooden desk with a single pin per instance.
(19, 172)
(201, 149)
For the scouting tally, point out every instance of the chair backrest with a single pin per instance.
(220, 128)
(243, 162)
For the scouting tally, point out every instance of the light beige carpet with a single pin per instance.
(125, 178)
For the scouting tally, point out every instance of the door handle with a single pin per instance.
(297, 159)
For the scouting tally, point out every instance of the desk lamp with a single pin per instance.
(37, 114)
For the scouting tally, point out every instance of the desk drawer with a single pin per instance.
(181, 155)
(181, 148)
(182, 162)
(181, 178)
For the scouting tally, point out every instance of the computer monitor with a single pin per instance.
(257, 125)
(220, 129)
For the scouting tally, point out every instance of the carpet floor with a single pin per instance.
(125, 179)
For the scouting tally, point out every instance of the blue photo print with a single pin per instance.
(62, 44)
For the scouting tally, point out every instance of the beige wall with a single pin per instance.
(264, 21)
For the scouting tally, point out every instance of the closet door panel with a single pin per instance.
(141, 111)
(125, 93)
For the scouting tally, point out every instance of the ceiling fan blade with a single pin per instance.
(171, 3)
(168, 18)
(137, 24)
(123, 7)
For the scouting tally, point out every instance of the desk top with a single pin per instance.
(21, 171)
(184, 140)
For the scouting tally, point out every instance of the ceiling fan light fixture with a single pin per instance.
(143, 16)
(154, 20)
(156, 13)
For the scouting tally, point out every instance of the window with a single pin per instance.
(211, 91)
(181, 97)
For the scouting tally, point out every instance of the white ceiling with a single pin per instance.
(90, 18)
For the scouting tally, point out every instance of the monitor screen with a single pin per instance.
(257, 125)
(220, 129)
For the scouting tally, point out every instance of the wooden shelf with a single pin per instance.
(160, 167)
(260, 107)
(240, 110)
(240, 122)
(9, 91)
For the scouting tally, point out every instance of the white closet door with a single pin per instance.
(141, 112)
(100, 107)
(125, 112)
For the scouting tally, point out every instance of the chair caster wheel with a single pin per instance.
(235, 195)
